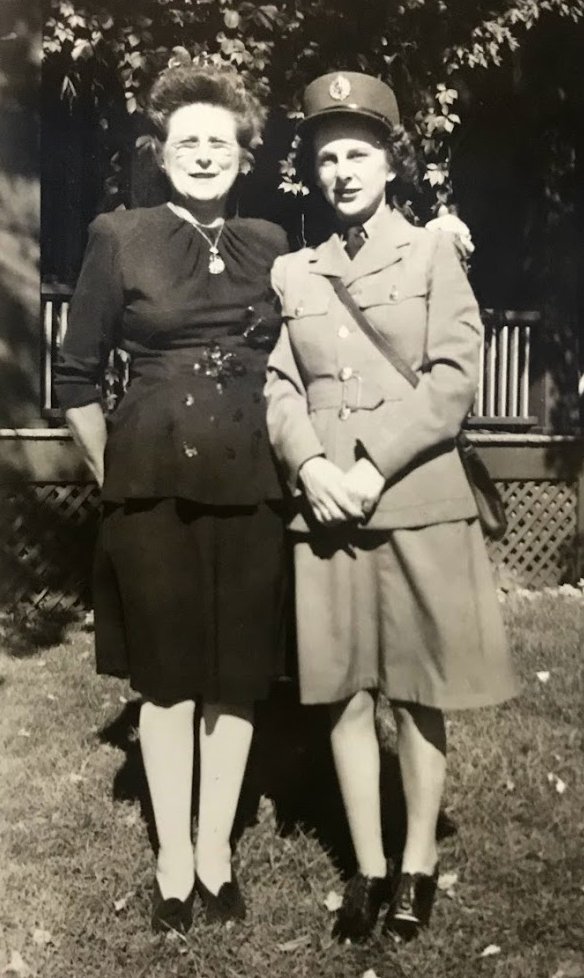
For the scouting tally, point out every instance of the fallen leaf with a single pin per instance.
(76, 778)
(175, 937)
(490, 950)
(121, 904)
(370, 973)
(543, 676)
(447, 880)
(41, 937)
(333, 901)
(41, 663)
(51, 697)
(23, 732)
(17, 966)
(294, 944)
(510, 785)
(557, 782)
(123, 699)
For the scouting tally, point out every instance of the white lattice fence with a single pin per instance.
(47, 533)
(538, 547)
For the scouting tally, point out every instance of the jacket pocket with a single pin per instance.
(392, 291)
(306, 307)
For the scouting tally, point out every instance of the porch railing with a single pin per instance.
(505, 375)
(503, 398)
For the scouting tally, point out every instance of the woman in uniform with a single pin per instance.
(189, 584)
(394, 588)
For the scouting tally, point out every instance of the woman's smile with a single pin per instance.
(201, 154)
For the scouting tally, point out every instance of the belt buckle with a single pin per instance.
(347, 408)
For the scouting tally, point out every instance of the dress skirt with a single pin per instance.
(190, 600)
(411, 612)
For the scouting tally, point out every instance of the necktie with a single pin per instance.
(354, 239)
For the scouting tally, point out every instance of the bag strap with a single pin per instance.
(383, 343)
(385, 347)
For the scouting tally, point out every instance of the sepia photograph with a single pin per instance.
(291, 489)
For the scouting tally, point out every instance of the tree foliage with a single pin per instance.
(109, 52)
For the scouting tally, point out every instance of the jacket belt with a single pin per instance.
(346, 394)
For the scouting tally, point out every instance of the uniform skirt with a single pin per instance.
(411, 612)
(190, 600)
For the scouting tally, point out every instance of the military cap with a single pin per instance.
(350, 92)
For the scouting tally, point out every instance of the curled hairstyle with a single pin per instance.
(186, 84)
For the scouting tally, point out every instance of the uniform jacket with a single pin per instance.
(331, 392)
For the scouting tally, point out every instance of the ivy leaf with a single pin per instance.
(231, 19)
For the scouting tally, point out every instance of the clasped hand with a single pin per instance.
(336, 496)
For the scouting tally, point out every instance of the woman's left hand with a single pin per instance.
(364, 484)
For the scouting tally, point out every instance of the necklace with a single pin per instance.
(216, 263)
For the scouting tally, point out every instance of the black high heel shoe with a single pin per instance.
(227, 904)
(171, 915)
(411, 905)
(359, 911)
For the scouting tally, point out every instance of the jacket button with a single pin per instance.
(345, 373)
(299, 310)
(394, 294)
(189, 450)
(342, 332)
(189, 400)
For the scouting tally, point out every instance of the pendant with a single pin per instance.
(216, 263)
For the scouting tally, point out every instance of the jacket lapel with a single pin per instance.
(386, 245)
(389, 238)
(330, 258)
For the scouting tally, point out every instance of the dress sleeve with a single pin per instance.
(292, 435)
(433, 412)
(94, 318)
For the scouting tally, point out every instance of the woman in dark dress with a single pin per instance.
(189, 575)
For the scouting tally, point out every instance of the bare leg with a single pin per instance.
(225, 739)
(356, 754)
(422, 757)
(167, 742)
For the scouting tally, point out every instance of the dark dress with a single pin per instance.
(189, 584)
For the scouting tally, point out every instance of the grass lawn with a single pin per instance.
(76, 861)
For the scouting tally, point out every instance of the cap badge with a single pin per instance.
(340, 88)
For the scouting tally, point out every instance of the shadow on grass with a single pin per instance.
(291, 763)
(27, 630)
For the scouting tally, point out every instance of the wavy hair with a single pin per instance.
(187, 84)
